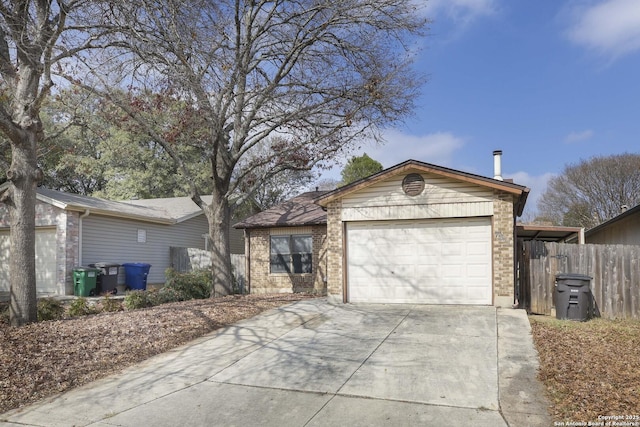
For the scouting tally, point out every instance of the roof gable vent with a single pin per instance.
(413, 184)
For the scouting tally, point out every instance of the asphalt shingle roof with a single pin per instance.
(170, 210)
(298, 211)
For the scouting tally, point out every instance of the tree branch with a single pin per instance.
(7, 68)
(10, 129)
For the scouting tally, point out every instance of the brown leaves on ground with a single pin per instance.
(46, 358)
(590, 369)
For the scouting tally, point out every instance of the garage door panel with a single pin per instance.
(453, 271)
(404, 250)
(428, 271)
(476, 249)
(426, 261)
(477, 270)
(45, 261)
(449, 249)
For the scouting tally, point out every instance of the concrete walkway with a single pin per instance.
(317, 364)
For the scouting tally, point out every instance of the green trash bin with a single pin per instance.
(84, 281)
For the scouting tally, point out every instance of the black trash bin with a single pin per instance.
(573, 297)
(108, 278)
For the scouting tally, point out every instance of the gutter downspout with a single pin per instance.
(86, 213)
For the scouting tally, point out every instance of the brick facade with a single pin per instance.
(262, 281)
(503, 249)
(68, 242)
(335, 251)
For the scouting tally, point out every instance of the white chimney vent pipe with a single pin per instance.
(497, 165)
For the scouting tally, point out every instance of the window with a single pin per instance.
(291, 254)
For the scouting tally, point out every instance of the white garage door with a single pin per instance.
(425, 261)
(45, 261)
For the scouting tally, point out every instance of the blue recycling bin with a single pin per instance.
(136, 275)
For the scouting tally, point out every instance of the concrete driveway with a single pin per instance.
(317, 364)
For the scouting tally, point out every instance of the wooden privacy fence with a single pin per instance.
(615, 270)
(187, 259)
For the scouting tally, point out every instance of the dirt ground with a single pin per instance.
(591, 369)
(46, 358)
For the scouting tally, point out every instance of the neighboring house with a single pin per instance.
(413, 233)
(184, 207)
(623, 229)
(74, 230)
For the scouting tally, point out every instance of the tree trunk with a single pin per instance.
(24, 176)
(218, 215)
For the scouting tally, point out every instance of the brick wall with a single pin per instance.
(262, 281)
(68, 240)
(503, 248)
(47, 214)
(335, 251)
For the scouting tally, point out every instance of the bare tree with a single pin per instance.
(32, 42)
(327, 184)
(592, 191)
(272, 86)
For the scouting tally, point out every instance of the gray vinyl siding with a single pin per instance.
(106, 239)
(236, 241)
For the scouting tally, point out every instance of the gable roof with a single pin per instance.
(518, 190)
(164, 211)
(178, 208)
(298, 211)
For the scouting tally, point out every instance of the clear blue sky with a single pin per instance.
(548, 82)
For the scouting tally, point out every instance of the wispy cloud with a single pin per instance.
(461, 11)
(537, 184)
(438, 148)
(574, 137)
(608, 27)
